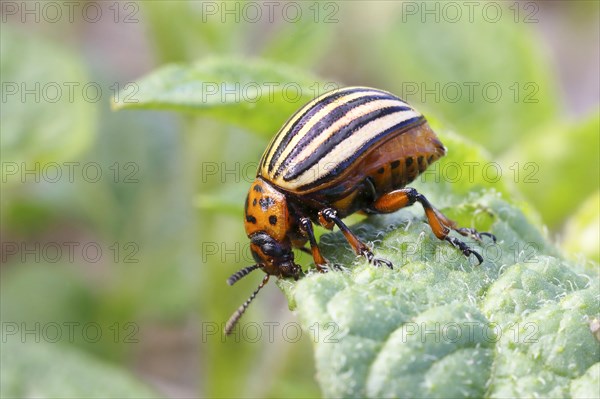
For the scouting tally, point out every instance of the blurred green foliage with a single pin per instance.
(75, 375)
(40, 130)
(563, 159)
(497, 101)
(214, 86)
(176, 207)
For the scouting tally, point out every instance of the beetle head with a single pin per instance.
(268, 223)
(274, 257)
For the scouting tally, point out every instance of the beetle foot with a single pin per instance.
(464, 248)
(467, 232)
(329, 267)
(321, 268)
(377, 262)
(336, 267)
(490, 235)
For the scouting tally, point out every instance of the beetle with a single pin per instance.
(349, 150)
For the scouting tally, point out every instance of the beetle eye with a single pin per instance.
(268, 246)
(273, 250)
(268, 249)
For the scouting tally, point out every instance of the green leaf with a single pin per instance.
(45, 114)
(582, 232)
(439, 325)
(585, 386)
(557, 166)
(53, 371)
(256, 95)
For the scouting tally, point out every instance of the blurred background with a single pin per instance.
(119, 228)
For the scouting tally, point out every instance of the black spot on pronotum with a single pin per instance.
(266, 203)
(251, 219)
(273, 220)
(409, 161)
(380, 170)
(395, 164)
(257, 188)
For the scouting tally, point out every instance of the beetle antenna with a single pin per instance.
(238, 313)
(235, 277)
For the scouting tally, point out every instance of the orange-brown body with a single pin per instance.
(353, 149)
(387, 167)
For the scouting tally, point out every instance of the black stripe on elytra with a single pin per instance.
(321, 125)
(307, 113)
(339, 137)
(404, 126)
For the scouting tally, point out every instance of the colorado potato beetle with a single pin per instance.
(348, 150)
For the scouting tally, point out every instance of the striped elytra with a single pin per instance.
(332, 132)
(349, 150)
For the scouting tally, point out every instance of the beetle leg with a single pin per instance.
(307, 229)
(464, 231)
(357, 245)
(323, 221)
(305, 250)
(438, 222)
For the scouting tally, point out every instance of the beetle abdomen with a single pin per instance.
(331, 134)
(399, 161)
(389, 166)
